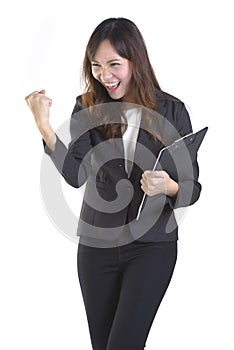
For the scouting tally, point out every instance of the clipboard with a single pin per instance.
(191, 141)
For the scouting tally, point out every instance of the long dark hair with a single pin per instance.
(128, 42)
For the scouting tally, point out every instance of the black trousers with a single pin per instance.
(122, 288)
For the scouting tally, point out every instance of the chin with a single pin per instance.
(116, 97)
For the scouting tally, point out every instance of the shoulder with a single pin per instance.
(167, 99)
(167, 102)
(79, 103)
(174, 110)
(79, 100)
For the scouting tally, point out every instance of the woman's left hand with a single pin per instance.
(155, 182)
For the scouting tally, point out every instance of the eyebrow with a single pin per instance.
(116, 59)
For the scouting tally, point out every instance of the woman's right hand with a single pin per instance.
(39, 105)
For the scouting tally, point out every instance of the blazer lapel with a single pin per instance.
(147, 149)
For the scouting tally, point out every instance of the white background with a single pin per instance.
(42, 47)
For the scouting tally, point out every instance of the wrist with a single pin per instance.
(44, 126)
(48, 135)
(172, 188)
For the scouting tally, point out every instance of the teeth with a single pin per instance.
(112, 85)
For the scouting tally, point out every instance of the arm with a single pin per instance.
(189, 187)
(184, 191)
(74, 162)
(69, 162)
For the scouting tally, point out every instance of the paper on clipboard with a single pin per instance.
(192, 140)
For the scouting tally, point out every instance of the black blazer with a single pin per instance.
(111, 199)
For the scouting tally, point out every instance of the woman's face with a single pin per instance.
(111, 70)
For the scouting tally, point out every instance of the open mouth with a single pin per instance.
(112, 86)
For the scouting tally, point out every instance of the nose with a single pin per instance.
(106, 74)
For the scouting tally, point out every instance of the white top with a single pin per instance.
(133, 117)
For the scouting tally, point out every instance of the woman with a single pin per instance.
(118, 127)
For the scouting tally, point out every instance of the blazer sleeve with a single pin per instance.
(74, 162)
(189, 188)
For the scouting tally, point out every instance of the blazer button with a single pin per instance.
(120, 165)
